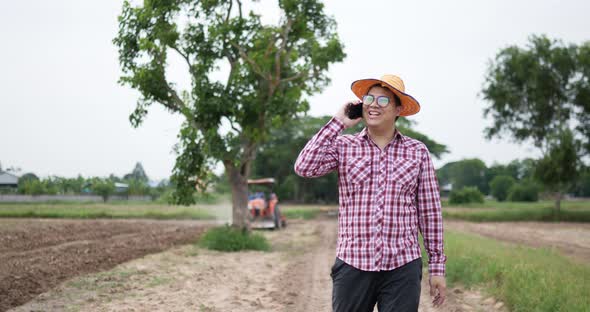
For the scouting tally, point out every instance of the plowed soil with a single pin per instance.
(36, 255)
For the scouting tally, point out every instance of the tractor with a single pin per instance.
(263, 205)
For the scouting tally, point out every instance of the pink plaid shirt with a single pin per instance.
(385, 197)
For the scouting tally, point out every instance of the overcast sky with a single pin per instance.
(62, 111)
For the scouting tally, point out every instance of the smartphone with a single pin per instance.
(354, 111)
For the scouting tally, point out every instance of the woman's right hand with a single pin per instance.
(341, 115)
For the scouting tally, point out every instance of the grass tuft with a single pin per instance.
(227, 238)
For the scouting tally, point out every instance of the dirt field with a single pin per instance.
(37, 255)
(572, 239)
(294, 276)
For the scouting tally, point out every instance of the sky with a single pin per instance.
(62, 111)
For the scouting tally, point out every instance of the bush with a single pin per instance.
(466, 195)
(227, 238)
(500, 185)
(526, 191)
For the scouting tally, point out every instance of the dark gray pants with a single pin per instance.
(396, 290)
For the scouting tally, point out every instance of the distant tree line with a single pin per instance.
(137, 183)
(515, 181)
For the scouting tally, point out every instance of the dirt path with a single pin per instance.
(572, 239)
(39, 254)
(294, 276)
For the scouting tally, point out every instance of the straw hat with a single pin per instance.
(410, 105)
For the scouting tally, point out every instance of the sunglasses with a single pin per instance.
(381, 100)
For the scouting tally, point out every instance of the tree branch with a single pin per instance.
(269, 47)
(184, 56)
(250, 61)
(229, 11)
(282, 49)
(240, 9)
(294, 77)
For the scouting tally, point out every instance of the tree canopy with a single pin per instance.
(272, 68)
(541, 94)
(538, 91)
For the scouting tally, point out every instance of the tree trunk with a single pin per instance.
(239, 190)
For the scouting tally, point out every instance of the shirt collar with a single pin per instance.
(396, 136)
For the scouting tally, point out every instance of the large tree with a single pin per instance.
(272, 68)
(539, 94)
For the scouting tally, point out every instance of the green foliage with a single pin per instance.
(541, 93)
(31, 186)
(103, 187)
(526, 191)
(272, 69)
(28, 176)
(500, 186)
(581, 187)
(536, 91)
(466, 172)
(227, 238)
(526, 279)
(517, 169)
(466, 195)
(560, 166)
(137, 187)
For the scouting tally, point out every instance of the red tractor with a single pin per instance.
(263, 205)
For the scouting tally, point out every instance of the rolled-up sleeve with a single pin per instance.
(320, 154)
(430, 215)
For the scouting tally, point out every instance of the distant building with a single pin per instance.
(8, 180)
(445, 190)
(121, 187)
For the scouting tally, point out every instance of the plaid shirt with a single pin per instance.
(385, 197)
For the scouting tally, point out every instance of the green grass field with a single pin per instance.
(100, 210)
(490, 211)
(526, 279)
(565, 204)
(306, 212)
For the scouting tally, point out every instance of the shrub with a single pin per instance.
(466, 195)
(526, 191)
(500, 185)
(226, 238)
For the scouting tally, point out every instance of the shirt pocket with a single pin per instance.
(358, 172)
(404, 172)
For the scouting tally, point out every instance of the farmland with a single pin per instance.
(145, 264)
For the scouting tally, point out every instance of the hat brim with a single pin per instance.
(410, 105)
